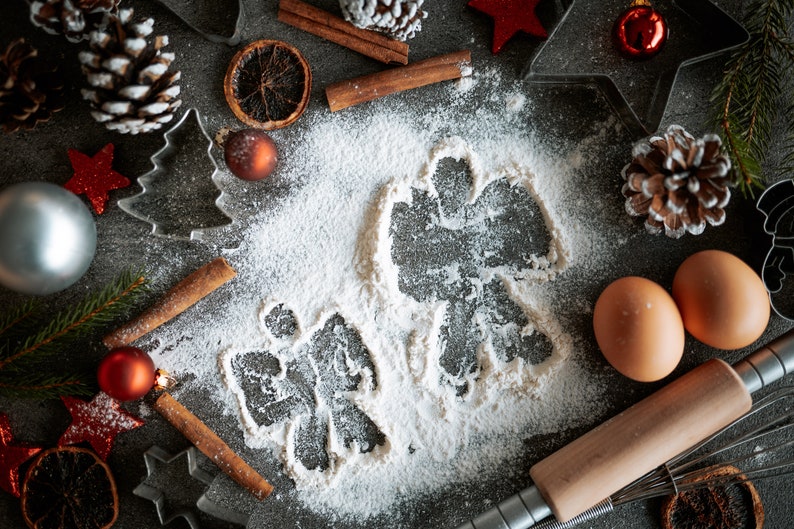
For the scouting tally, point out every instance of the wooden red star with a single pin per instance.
(98, 422)
(510, 17)
(94, 176)
(11, 456)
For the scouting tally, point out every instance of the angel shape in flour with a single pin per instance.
(303, 387)
(463, 248)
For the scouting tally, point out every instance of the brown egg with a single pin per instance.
(638, 329)
(722, 301)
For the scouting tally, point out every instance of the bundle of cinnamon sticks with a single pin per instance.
(351, 92)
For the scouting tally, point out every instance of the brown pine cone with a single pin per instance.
(30, 91)
(399, 19)
(74, 18)
(132, 85)
(678, 182)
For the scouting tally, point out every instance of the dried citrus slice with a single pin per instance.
(267, 84)
(69, 487)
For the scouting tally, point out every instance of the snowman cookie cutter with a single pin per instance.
(777, 206)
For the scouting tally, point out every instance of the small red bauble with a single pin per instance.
(640, 31)
(126, 373)
(250, 154)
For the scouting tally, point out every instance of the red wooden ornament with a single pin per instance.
(510, 17)
(250, 154)
(11, 456)
(94, 176)
(126, 373)
(97, 422)
(640, 31)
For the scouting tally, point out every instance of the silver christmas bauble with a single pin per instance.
(47, 238)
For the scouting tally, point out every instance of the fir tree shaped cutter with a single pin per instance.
(180, 196)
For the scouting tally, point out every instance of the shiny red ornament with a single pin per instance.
(11, 456)
(640, 31)
(97, 422)
(250, 154)
(126, 373)
(510, 17)
(94, 176)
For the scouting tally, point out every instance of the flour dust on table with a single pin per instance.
(397, 321)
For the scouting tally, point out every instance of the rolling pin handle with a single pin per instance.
(519, 511)
(768, 364)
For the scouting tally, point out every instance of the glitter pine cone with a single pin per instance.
(678, 183)
(399, 19)
(75, 19)
(133, 87)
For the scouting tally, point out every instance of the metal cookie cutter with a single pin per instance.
(579, 50)
(173, 496)
(180, 199)
(777, 205)
(215, 20)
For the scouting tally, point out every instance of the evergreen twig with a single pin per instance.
(748, 98)
(29, 336)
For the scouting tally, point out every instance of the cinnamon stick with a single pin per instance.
(177, 300)
(433, 70)
(212, 446)
(330, 27)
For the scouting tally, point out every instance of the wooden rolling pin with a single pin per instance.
(645, 436)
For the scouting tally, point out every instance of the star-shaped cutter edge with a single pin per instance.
(232, 40)
(733, 33)
(155, 455)
(149, 182)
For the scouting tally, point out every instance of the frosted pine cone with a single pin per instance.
(399, 19)
(677, 182)
(30, 91)
(74, 18)
(132, 85)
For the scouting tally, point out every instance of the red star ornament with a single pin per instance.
(94, 176)
(98, 422)
(510, 17)
(11, 456)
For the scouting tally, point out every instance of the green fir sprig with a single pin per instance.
(756, 87)
(30, 337)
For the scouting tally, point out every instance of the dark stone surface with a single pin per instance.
(563, 113)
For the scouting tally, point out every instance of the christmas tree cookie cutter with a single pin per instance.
(216, 20)
(777, 206)
(178, 199)
(162, 491)
(579, 51)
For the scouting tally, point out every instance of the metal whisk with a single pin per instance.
(757, 445)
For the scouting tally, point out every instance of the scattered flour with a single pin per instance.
(324, 253)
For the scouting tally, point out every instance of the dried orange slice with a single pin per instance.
(69, 487)
(267, 84)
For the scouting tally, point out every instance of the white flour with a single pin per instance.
(324, 251)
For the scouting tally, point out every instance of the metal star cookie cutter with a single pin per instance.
(178, 200)
(156, 457)
(221, 13)
(777, 206)
(579, 50)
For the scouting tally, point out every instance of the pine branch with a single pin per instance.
(22, 356)
(748, 99)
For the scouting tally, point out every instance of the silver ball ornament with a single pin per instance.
(47, 238)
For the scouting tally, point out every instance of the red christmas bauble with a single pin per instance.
(250, 154)
(126, 373)
(640, 32)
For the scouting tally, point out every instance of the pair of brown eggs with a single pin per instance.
(716, 297)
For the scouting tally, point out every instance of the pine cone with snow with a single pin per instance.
(74, 18)
(132, 85)
(399, 19)
(678, 182)
(30, 90)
